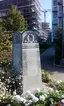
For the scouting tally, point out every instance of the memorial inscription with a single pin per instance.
(31, 61)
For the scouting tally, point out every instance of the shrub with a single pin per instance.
(61, 86)
(46, 77)
(52, 84)
(11, 81)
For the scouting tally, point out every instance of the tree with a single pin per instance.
(15, 20)
(5, 44)
(58, 46)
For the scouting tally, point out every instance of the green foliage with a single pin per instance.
(46, 77)
(5, 44)
(15, 21)
(58, 46)
(40, 103)
(15, 103)
(55, 96)
(52, 84)
(39, 93)
(5, 100)
(51, 97)
(11, 81)
(61, 86)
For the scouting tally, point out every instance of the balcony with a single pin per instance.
(54, 9)
(60, 2)
(60, 14)
(54, 22)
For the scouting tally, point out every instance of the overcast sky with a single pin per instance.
(47, 4)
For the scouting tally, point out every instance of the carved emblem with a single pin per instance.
(29, 38)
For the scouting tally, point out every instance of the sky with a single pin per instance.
(47, 4)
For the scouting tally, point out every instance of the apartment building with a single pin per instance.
(29, 8)
(57, 15)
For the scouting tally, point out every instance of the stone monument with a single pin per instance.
(26, 59)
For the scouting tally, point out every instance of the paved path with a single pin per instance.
(47, 63)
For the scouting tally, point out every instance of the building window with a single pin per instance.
(55, 21)
(55, 2)
(55, 15)
(60, 7)
(60, 21)
(54, 34)
(54, 27)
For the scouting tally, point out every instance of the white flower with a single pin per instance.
(19, 83)
(34, 99)
(42, 97)
(19, 77)
(62, 96)
(57, 91)
(51, 105)
(38, 90)
(51, 100)
(9, 77)
(8, 86)
(58, 82)
(45, 95)
(26, 104)
(14, 93)
(19, 99)
(62, 101)
(8, 81)
(3, 77)
(50, 89)
(3, 72)
(29, 103)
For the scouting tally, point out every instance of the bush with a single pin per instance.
(48, 98)
(11, 81)
(46, 77)
(61, 86)
(52, 84)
